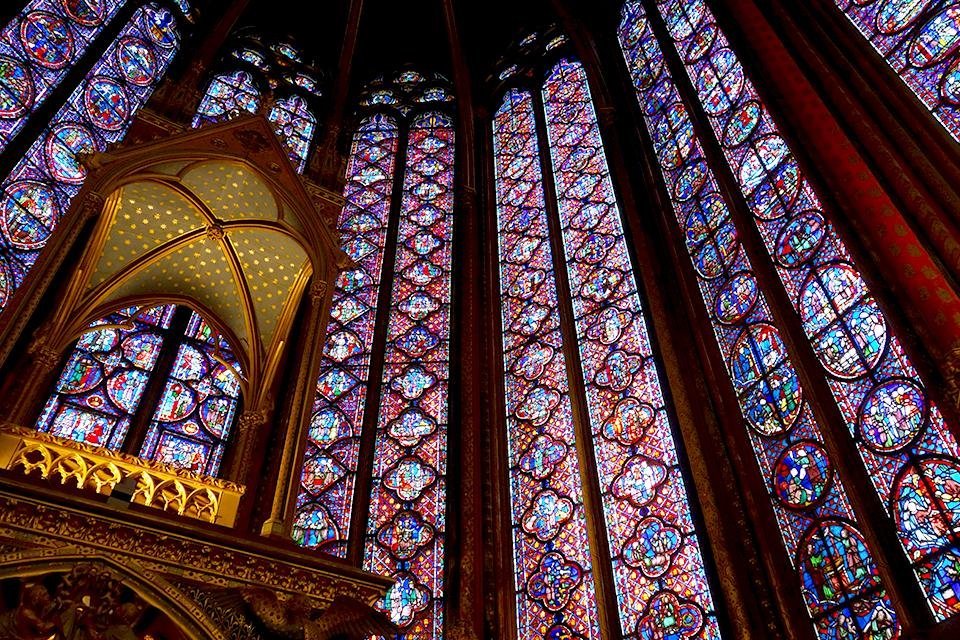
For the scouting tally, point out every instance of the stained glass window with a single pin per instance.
(227, 96)
(909, 453)
(658, 565)
(804, 484)
(406, 524)
(40, 187)
(920, 40)
(327, 482)
(105, 377)
(295, 125)
(192, 422)
(554, 576)
(37, 49)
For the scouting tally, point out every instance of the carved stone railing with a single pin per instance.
(92, 468)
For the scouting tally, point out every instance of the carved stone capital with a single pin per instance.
(318, 292)
(93, 201)
(951, 371)
(251, 420)
(45, 356)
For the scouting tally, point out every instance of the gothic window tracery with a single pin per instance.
(920, 40)
(654, 553)
(909, 454)
(38, 191)
(404, 514)
(101, 390)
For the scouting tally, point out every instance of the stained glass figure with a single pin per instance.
(333, 442)
(920, 40)
(253, 57)
(877, 389)
(294, 124)
(551, 546)
(191, 425)
(38, 48)
(410, 455)
(654, 546)
(39, 189)
(105, 377)
(805, 489)
(227, 96)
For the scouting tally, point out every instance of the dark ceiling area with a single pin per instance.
(396, 35)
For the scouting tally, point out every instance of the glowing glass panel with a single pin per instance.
(909, 453)
(920, 40)
(37, 50)
(105, 376)
(333, 442)
(551, 547)
(294, 124)
(406, 525)
(805, 490)
(192, 422)
(40, 187)
(658, 565)
(227, 96)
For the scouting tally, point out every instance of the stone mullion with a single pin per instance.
(603, 578)
(371, 415)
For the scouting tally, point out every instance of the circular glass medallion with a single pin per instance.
(926, 505)
(768, 386)
(802, 475)
(16, 88)
(741, 124)
(892, 415)
(137, 61)
(689, 181)
(47, 39)
(106, 103)
(28, 213)
(777, 192)
(63, 147)
(846, 327)
(736, 298)
(800, 239)
(89, 13)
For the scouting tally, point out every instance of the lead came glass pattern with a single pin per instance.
(805, 491)
(191, 424)
(658, 565)
(105, 377)
(228, 95)
(406, 524)
(333, 442)
(294, 124)
(920, 40)
(39, 189)
(909, 453)
(553, 572)
(37, 50)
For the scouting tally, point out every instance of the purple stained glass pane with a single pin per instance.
(198, 406)
(38, 48)
(103, 382)
(227, 96)
(327, 482)
(653, 542)
(806, 492)
(847, 329)
(551, 546)
(294, 124)
(920, 40)
(38, 191)
(410, 454)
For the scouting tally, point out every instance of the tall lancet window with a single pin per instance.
(386, 360)
(566, 274)
(920, 40)
(38, 191)
(909, 454)
(38, 47)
